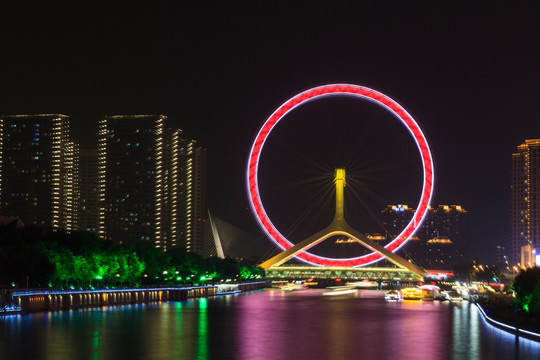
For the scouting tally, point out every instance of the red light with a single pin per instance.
(338, 280)
(358, 92)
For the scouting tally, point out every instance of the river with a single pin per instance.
(265, 324)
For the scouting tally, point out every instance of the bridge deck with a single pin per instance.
(346, 273)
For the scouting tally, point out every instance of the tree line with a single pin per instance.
(526, 287)
(32, 257)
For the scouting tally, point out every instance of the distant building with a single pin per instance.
(440, 242)
(39, 170)
(193, 195)
(445, 231)
(395, 218)
(440, 254)
(172, 188)
(528, 256)
(130, 171)
(151, 183)
(501, 260)
(525, 198)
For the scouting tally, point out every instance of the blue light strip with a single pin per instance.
(514, 329)
(528, 332)
(27, 293)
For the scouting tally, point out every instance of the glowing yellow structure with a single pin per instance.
(339, 226)
(411, 293)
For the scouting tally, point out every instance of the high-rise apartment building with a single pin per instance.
(172, 190)
(39, 170)
(193, 199)
(144, 182)
(150, 183)
(445, 231)
(441, 240)
(130, 177)
(395, 218)
(525, 198)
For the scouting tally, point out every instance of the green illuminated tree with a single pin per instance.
(155, 261)
(189, 265)
(527, 288)
(33, 257)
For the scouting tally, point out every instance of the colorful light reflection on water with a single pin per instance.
(267, 324)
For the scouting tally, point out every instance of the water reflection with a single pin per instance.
(202, 340)
(267, 324)
(95, 354)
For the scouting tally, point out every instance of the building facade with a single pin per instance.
(130, 171)
(39, 170)
(150, 183)
(441, 240)
(172, 185)
(445, 234)
(193, 195)
(525, 198)
(143, 182)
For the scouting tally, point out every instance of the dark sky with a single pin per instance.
(470, 75)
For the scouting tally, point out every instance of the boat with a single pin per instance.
(411, 293)
(293, 287)
(278, 283)
(340, 290)
(227, 289)
(365, 284)
(442, 296)
(392, 295)
(429, 292)
(10, 310)
(229, 292)
(454, 296)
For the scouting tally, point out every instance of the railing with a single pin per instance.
(508, 328)
(47, 300)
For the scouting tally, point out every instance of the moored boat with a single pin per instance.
(429, 292)
(392, 295)
(411, 293)
(10, 310)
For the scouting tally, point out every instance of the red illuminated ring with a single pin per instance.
(357, 92)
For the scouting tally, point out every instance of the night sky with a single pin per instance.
(469, 75)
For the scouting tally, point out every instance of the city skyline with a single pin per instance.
(144, 182)
(468, 75)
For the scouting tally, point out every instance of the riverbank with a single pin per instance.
(499, 311)
(46, 300)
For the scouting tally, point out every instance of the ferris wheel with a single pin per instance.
(339, 225)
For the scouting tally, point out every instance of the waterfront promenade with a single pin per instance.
(35, 301)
